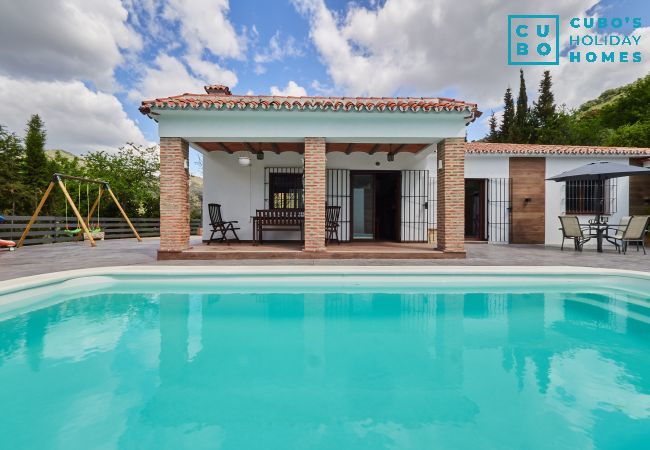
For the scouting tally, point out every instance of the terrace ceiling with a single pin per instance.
(299, 147)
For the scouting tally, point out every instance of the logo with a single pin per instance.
(533, 40)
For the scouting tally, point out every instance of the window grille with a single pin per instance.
(415, 216)
(283, 188)
(590, 196)
(499, 210)
(338, 194)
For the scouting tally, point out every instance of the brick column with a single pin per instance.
(174, 195)
(451, 195)
(314, 194)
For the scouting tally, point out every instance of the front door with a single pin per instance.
(475, 209)
(375, 205)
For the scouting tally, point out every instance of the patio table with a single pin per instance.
(600, 228)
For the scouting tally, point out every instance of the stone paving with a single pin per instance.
(37, 259)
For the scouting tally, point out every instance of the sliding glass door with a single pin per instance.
(363, 206)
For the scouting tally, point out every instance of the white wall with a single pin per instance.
(555, 201)
(293, 126)
(240, 190)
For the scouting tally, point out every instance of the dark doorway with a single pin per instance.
(375, 205)
(475, 209)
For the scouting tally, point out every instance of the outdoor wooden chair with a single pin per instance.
(615, 232)
(219, 225)
(635, 233)
(332, 214)
(571, 229)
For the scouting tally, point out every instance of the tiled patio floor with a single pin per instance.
(55, 257)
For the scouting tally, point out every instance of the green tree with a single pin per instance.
(13, 192)
(521, 131)
(544, 107)
(494, 131)
(634, 135)
(62, 163)
(132, 173)
(36, 167)
(630, 107)
(505, 131)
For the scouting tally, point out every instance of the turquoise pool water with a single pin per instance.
(328, 363)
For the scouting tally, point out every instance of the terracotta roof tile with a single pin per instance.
(219, 97)
(538, 149)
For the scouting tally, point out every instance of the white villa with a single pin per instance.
(398, 168)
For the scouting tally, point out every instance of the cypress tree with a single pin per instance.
(507, 122)
(36, 166)
(544, 108)
(494, 132)
(520, 129)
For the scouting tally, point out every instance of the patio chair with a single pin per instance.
(219, 225)
(332, 214)
(635, 233)
(617, 237)
(571, 229)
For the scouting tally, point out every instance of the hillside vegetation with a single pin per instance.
(617, 117)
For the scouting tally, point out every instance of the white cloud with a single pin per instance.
(434, 47)
(292, 89)
(211, 72)
(204, 24)
(64, 39)
(77, 119)
(278, 50)
(425, 47)
(322, 89)
(169, 76)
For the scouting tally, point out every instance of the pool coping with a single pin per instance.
(33, 281)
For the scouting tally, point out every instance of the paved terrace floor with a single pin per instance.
(37, 259)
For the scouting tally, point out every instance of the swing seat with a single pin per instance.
(74, 232)
(97, 234)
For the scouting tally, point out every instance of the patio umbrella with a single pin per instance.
(600, 171)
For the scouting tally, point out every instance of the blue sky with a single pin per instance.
(85, 65)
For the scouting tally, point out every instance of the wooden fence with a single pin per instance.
(50, 229)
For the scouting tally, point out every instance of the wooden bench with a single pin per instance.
(277, 220)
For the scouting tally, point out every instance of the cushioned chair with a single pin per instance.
(635, 233)
(615, 232)
(571, 229)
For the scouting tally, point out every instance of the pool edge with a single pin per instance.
(22, 283)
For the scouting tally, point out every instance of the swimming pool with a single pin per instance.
(340, 358)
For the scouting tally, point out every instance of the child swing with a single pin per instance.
(67, 230)
(84, 227)
(95, 230)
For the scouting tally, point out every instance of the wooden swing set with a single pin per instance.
(58, 179)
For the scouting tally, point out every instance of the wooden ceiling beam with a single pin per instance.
(397, 149)
(251, 149)
(349, 149)
(275, 148)
(374, 149)
(223, 147)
